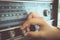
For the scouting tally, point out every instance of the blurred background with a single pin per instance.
(58, 13)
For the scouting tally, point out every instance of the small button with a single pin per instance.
(19, 14)
(7, 15)
(9, 7)
(16, 7)
(3, 15)
(22, 14)
(15, 14)
(10, 15)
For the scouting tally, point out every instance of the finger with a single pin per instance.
(25, 25)
(34, 34)
(33, 15)
(30, 16)
(28, 29)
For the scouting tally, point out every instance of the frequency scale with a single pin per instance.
(12, 15)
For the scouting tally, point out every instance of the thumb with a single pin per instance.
(34, 34)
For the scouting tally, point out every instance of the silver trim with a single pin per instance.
(31, 1)
(10, 28)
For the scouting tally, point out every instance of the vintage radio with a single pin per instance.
(14, 13)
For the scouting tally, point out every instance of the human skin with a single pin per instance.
(46, 31)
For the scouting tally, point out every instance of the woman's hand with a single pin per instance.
(45, 31)
(34, 19)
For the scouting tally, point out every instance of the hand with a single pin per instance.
(46, 31)
(34, 19)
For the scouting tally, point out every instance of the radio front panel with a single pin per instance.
(12, 13)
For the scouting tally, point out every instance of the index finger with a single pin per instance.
(33, 15)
